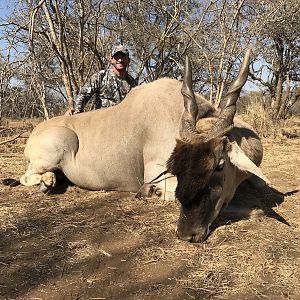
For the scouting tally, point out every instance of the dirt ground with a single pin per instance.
(79, 244)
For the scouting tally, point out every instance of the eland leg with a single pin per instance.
(162, 187)
(49, 150)
(35, 175)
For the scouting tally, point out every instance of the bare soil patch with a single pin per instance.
(78, 244)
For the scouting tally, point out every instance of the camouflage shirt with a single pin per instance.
(108, 88)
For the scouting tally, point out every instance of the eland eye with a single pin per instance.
(220, 165)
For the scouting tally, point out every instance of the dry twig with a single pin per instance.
(12, 139)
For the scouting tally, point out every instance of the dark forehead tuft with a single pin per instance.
(189, 156)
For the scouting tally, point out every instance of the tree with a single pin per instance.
(216, 31)
(278, 41)
(61, 43)
(8, 68)
(66, 28)
(6, 74)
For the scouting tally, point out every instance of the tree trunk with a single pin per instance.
(278, 96)
(1, 100)
(43, 100)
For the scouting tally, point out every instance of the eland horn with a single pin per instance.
(188, 120)
(187, 91)
(228, 105)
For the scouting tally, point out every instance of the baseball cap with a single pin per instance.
(119, 48)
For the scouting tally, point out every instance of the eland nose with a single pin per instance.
(186, 238)
(192, 237)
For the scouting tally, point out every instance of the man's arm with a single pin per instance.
(86, 92)
(71, 112)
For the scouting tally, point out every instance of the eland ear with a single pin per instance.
(243, 162)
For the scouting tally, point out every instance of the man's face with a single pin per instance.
(120, 61)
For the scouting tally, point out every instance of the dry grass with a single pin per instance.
(262, 122)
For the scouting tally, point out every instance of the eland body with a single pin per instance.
(158, 126)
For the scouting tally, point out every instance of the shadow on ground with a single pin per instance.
(250, 202)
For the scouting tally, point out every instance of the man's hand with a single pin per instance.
(71, 112)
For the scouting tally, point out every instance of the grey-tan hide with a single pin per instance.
(117, 148)
(120, 148)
